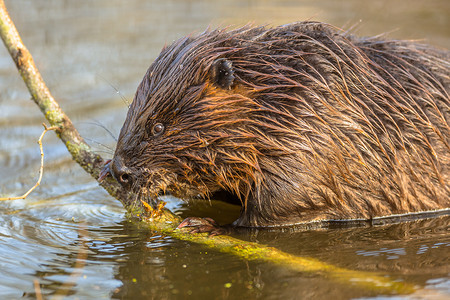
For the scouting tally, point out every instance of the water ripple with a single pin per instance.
(43, 236)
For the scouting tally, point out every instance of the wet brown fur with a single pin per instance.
(317, 124)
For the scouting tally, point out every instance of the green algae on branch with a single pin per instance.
(165, 221)
(250, 251)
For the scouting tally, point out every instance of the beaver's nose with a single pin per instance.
(121, 172)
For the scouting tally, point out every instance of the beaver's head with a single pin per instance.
(240, 111)
(189, 130)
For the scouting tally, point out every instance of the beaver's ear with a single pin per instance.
(221, 73)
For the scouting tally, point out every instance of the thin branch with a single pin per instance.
(41, 95)
(90, 161)
(37, 290)
(41, 169)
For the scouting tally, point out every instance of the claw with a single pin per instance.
(196, 221)
(200, 225)
(105, 171)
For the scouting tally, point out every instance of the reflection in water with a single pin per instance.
(414, 248)
(40, 239)
(87, 49)
(184, 269)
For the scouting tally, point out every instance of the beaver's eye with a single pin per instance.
(157, 129)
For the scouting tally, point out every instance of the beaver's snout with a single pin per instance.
(120, 172)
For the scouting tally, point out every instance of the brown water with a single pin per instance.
(94, 53)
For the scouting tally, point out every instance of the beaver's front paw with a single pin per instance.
(199, 225)
(105, 171)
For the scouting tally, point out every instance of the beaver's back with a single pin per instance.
(371, 129)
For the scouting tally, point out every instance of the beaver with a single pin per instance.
(300, 123)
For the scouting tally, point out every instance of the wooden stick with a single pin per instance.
(42, 97)
(77, 147)
(41, 169)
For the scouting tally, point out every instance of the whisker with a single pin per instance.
(124, 99)
(105, 152)
(100, 144)
(97, 123)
